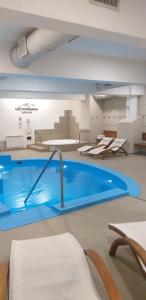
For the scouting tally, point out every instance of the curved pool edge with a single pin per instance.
(91, 200)
(12, 220)
(133, 187)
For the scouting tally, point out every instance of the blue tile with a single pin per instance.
(4, 158)
(4, 210)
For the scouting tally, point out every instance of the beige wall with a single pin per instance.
(142, 110)
(105, 115)
(49, 112)
(92, 116)
(114, 110)
(96, 118)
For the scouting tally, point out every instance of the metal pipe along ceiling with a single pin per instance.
(39, 42)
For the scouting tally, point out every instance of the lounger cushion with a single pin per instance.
(51, 268)
(105, 141)
(117, 143)
(97, 151)
(85, 148)
(135, 231)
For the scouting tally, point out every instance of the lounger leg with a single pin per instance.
(124, 151)
(115, 245)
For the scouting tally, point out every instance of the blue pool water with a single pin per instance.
(84, 185)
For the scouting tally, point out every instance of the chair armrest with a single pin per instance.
(4, 270)
(105, 274)
(137, 248)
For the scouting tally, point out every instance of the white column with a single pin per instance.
(131, 107)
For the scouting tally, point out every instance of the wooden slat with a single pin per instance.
(110, 133)
(144, 136)
(105, 274)
(4, 267)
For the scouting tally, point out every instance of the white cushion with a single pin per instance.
(117, 143)
(105, 141)
(97, 150)
(85, 148)
(51, 268)
(100, 136)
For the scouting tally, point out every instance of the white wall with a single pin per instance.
(130, 130)
(114, 111)
(92, 115)
(80, 16)
(142, 110)
(96, 119)
(48, 113)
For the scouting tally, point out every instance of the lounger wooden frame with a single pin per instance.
(138, 251)
(119, 150)
(105, 275)
(4, 279)
(95, 258)
(96, 146)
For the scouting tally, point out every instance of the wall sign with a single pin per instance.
(27, 108)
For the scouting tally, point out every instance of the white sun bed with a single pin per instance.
(53, 268)
(115, 147)
(104, 143)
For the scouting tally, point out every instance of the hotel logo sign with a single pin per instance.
(26, 108)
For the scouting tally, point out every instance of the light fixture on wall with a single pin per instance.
(28, 123)
(20, 122)
(97, 97)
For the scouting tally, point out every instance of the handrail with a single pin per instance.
(42, 172)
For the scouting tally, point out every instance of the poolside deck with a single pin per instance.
(90, 225)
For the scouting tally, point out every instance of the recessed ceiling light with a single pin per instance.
(100, 96)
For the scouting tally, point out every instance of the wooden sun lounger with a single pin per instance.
(105, 142)
(73, 254)
(115, 147)
(133, 235)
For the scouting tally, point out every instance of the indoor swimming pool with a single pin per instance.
(84, 185)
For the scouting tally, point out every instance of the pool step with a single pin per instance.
(91, 200)
(4, 210)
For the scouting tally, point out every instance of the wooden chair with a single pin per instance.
(105, 142)
(133, 235)
(115, 147)
(53, 268)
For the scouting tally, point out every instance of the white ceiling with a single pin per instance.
(10, 34)
(106, 48)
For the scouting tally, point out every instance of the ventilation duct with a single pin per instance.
(107, 3)
(36, 44)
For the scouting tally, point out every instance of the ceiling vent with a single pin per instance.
(107, 3)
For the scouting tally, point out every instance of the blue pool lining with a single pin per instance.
(10, 220)
(43, 212)
(133, 187)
